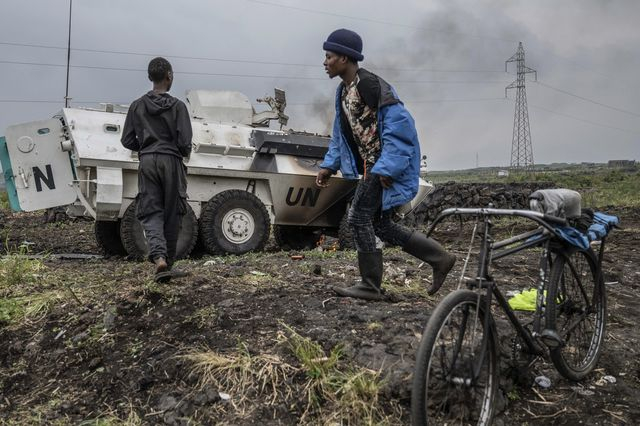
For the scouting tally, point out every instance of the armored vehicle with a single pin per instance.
(244, 178)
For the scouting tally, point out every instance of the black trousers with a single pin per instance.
(366, 218)
(161, 202)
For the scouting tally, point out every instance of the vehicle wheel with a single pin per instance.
(576, 308)
(445, 390)
(296, 237)
(108, 237)
(345, 238)
(136, 245)
(234, 222)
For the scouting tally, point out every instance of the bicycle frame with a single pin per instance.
(543, 236)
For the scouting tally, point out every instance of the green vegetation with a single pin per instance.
(19, 275)
(599, 186)
(204, 317)
(336, 393)
(243, 375)
(4, 200)
(17, 269)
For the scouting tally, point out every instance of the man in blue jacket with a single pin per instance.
(375, 140)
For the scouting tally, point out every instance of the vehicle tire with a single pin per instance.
(345, 238)
(576, 309)
(234, 222)
(135, 243)
(448, 394)
(107, 234)
(296, 237)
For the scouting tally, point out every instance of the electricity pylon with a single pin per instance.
(521, 150)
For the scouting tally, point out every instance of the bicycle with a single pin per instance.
(456, 376)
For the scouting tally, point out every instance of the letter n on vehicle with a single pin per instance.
(39, 177)
(311, 196)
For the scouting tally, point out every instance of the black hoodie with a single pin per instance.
(158, 124)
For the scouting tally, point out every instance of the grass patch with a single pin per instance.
(17, 269)
(19, 301)
(243, 375)
(335, 393)
(4, 200)
(331, 254)
(204, 317)
(111, 418)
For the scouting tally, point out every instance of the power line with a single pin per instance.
(634, 132)
(589, 100)
(375, 21)
(242, 61)
(250, 75)
(409, 101)
(573, 117)
(413, 101)
(34, 101)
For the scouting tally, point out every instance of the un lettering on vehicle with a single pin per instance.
(304, 197)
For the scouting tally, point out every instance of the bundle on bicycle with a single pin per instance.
(456, 376)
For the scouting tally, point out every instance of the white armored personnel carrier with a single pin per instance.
(244, 178)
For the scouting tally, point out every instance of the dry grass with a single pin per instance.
(335, 393)
(243, 375)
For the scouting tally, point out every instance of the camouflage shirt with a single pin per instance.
(363, 121)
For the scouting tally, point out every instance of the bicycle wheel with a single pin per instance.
(455, 340)
(576, 309)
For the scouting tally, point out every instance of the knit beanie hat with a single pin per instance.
(345, 42)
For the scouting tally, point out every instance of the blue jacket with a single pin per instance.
(400, 156)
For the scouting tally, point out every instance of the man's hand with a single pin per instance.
(386, 181)
(322, 180)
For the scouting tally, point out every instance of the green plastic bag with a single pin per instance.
(525, 301)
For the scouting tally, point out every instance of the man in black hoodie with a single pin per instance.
(159, 129)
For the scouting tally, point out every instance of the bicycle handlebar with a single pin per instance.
(540, 218)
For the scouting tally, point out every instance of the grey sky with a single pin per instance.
(445, 58)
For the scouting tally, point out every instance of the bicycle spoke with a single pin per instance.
(578, 313)
(454, 393)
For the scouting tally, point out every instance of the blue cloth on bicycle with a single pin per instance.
(602, 224)
(597, 231)
(572, 236)
(606, 219)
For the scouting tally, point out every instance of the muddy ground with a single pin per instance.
(96, 341)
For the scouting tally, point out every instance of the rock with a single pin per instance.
(109, 318)
(167, 403)
(206, 396)
(228, 303)
(185, 408)
(170, 418)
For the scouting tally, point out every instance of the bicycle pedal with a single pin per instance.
(551, 338)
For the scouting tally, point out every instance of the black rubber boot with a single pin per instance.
(370, 265)
(430, 251)
(177, 273)
(162, 274)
